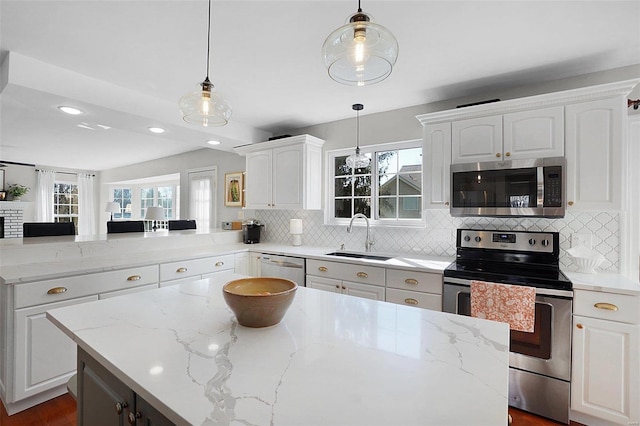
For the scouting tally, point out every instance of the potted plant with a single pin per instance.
(16, 191)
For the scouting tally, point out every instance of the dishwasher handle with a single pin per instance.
(281, 263)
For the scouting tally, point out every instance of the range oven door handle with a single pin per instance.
(539, 290)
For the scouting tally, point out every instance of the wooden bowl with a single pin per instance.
(259, 302)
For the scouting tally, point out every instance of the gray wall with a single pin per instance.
(224, 161)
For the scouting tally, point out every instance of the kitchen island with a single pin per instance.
(334, 359)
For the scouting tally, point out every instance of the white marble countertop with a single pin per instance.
(605, 282)
(28, 261)
(333, 360)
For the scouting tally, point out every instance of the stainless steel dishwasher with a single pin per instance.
(292, 268)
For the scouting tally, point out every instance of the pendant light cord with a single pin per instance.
(359, 8)
(358, 130)
(209, 38)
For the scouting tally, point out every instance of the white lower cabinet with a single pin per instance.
(605, 379)
(404, 287)
(421, 289)
(366, 291)
(44, 356)
(37, 358)
(353, 279)
(173, 273)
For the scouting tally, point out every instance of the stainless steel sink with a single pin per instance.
(359, 255)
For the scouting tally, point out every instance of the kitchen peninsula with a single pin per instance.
(334, 359)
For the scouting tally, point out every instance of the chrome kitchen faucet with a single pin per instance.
(369, 241)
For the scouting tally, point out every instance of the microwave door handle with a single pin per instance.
(540, 180)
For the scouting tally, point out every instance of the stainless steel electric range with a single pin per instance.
(540, 362)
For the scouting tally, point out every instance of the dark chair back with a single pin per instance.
(177, 225)
(118, 227)
(47, 229)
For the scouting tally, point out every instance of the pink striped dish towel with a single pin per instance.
(512, 304)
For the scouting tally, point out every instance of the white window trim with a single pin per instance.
(330, 187)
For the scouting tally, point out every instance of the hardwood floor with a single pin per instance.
(61, 411)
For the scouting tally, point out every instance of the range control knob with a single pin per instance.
(532, 242)
(545, 243)
(478, 239)
(467, 238)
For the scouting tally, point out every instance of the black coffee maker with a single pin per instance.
(251, 231)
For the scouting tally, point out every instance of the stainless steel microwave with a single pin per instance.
(509, 188)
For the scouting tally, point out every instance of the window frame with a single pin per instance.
(329, 211)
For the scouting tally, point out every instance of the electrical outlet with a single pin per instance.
(578, 240)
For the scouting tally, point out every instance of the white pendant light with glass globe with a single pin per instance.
(360, 52)
(205, 106)
(357, 160)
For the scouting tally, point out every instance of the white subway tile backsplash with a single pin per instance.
(438, 237)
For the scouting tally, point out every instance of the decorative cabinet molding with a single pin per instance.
(605, 379)
(284, 173)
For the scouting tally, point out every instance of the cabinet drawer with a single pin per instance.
(195, 267)
(413, 298)
(83, 285)
(608, 306)
(414, 281)
(127, 291)
(346, 271)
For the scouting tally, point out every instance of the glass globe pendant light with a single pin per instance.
(205, 106)
(360, 52)
(358, 160)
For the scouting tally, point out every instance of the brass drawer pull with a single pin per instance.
(134, 278)
(606, 306)
(580, 326)
(570, 203)
(322, 269)
(507, 154)
(411, 281)
(181, 269)
(410, 301)
(337, 286)
(362, 274)
(57, 290)
(219, 263)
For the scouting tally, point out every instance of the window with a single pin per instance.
(161, 196)
(388, 191)
(123, 197)
(65, 202)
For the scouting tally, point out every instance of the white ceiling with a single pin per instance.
(126, 64)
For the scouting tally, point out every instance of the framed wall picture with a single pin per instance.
(233, 189)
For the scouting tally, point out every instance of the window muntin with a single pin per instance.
(388, 191)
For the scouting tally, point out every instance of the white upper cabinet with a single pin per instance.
(536, 133)
(436, 157)
(283, 174)
(595, 146)
(476, 139)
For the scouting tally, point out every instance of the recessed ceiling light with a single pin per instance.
(102, 126)
(85, 126)
(213, 142)
(156, 129)
(70, 110)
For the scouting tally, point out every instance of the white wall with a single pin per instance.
(224, 161)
